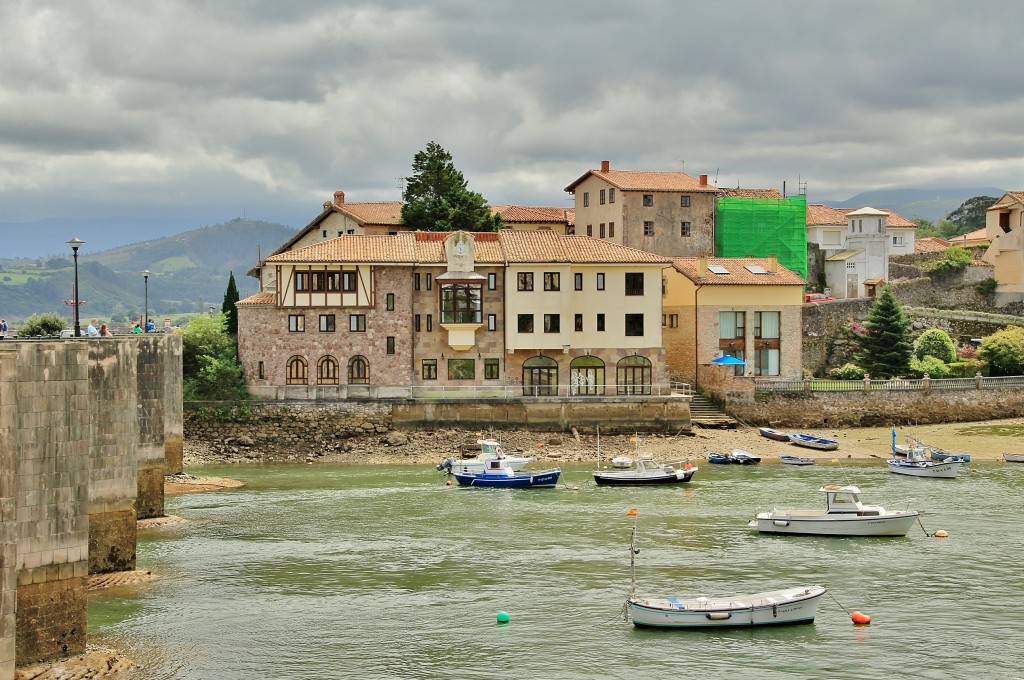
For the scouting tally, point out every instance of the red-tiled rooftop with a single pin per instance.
(736, 270)
(930, 244)
(642, 180)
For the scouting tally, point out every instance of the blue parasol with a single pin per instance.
(729, 361)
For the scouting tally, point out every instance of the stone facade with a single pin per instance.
(151, 355)
(8, 514)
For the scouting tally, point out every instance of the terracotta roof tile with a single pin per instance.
(751, 193)
(819, 214)
(524, 213)
(507, 245)
(639, 180)
(738, 274)
(386, 213)
(258, 299)
(930, 244)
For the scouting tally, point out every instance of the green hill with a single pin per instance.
(189, 272)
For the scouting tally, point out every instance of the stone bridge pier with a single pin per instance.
(84, 426)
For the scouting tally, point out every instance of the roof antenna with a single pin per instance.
(682, 164)
(401, 185)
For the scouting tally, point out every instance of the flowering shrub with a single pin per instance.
(847, 372)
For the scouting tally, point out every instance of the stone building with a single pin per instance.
(436, 313)
(669, 213)
(748, 308)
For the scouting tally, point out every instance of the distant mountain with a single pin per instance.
(928, 204)
(189, 272)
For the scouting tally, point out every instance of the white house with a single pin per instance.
(862, 266)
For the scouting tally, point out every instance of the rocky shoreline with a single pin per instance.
(984, 441)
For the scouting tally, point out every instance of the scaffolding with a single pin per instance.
(759, 227)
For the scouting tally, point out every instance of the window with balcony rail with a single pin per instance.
(634, 283)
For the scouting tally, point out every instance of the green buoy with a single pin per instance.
(503, 617)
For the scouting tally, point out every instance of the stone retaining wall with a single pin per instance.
(859, 409)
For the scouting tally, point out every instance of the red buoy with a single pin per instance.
(448, 483)
(860, 618)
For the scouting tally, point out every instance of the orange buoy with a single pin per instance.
(941, 533)
(860, 618)
(448, 483)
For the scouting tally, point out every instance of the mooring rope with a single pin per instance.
(833, 598)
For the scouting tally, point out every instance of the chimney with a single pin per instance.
(703, 180)
(339, 198)
(605, 166)
(702, 266)
(773, 263)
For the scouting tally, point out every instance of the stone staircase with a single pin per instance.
(704, 413)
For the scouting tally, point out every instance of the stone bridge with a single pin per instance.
(88, 428)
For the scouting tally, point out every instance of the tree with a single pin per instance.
(935, 342)
(886, 348)
(1004, 351)
(228, 308)
(436, 197)
(209, 361)
(970, 216)
(46, 323)
(953, 259)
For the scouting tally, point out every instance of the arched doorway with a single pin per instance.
(358, 371)
(540, 377)
(633, 375)
(586, 376)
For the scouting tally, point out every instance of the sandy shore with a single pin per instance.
(986, 440)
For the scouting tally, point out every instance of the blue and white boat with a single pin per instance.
(718, 458)
(489, 448)
(946, 456)
(811, 442)
(498, 473)
(741, 457)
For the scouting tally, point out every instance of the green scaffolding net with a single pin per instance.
(759, 227)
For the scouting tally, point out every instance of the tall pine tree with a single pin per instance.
(228, 308)
(436, 197)
(886, 348)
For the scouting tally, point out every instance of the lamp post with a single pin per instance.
(75, 244)
(145, 313)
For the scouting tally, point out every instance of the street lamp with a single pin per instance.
(75, 244)
(145, 313)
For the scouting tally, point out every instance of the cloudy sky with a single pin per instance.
(150, 117)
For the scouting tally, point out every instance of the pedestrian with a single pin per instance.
(150, 326)
(136, 328)
(104, 332)
(3, 328)
(91, 330)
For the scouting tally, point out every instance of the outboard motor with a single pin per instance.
(446, 465)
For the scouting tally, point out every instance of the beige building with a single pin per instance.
(1004, 228)
(371, 316)
(748, 308)
(669, 213)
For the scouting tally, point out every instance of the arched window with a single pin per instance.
(540, 377)
(358, 371)
(297, 371)
(586, 376)
(633, 375)
(327, 371)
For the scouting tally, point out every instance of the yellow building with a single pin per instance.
(748, 308)
(532, 218)
(1004, 228)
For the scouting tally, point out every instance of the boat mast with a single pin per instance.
(598, 447)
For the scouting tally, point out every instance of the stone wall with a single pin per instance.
(298, 430)
(151, 354)
(173, 405)
(8, 515)
(859, 409)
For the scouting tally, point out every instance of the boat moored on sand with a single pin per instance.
(812, 442)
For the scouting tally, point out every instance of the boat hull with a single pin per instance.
(810, 442)
(773, 434)
(1013, 457)
(718, 458)
(613, 478)
(796, 460)
(778, 607)
(541, 480)
(818, 524)
(924, 469)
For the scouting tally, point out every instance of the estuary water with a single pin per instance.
(386, 572)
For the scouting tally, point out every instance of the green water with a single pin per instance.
(386, 572)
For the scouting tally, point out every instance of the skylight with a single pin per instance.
(717, 269)
(755, 269)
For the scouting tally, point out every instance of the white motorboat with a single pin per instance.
(843, 515)
(916, 465)
(790, 605)
(489, 448)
